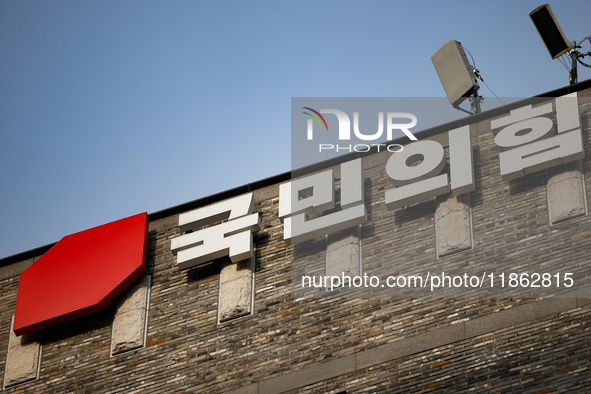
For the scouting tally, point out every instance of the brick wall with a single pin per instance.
(540, 349)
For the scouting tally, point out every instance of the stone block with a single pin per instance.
(342, 252)
(129, 324)
(23, 359)
(235, 271)
(452, 224)
(566, 199)
(236, 288)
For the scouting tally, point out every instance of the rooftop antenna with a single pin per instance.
(458, 76)
(557, 43)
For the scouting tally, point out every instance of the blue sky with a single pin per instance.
(112, 108)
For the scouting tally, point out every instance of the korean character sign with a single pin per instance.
(316, 194)
(423, 181)
(231, 238)
(529, 140)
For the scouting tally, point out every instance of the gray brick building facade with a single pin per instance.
(230, 327)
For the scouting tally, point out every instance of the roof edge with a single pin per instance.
(328, 163)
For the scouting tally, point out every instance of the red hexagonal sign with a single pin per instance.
(81, 274)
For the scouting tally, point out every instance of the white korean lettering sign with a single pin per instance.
(345, 195)
(415, 183)
(316, 193)
(529, 140)
(231, 238)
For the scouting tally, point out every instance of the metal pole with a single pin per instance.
(475, 102)
(572, 75)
